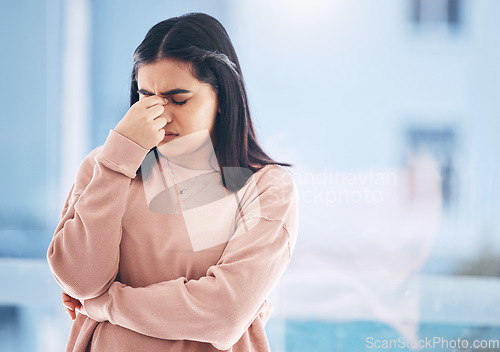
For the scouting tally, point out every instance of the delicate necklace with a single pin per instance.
(194, 180)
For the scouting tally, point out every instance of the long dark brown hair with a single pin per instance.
(202, 41)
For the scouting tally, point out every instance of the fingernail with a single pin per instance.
(166, 100)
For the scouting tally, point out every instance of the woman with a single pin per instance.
(178, 227)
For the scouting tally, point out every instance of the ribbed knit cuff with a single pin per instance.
(96, 308)
(121, 154)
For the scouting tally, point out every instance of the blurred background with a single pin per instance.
(388, 109)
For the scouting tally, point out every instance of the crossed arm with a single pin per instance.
(217, 308)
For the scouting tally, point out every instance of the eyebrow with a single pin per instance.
(170, 92)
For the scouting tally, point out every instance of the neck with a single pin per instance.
(194, 151)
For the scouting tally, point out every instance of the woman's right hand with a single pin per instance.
(72, 305)
(142, 123)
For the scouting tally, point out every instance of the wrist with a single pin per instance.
(121, 154)
(97, 308)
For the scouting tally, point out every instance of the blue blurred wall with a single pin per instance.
(332, 84)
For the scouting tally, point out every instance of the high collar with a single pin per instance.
(191, 152)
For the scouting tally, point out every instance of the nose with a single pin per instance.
(166, 112)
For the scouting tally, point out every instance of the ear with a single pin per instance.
(218, 109)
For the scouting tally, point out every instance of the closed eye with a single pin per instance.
(148, 94)
(178, 102)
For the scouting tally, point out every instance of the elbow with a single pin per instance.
(83, 289)
(91, 288)
(232, 327)
(224, 343)
(221, 347)
(80, 281)
(228, 337)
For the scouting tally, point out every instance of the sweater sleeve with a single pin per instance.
(84, 252)
(219, 307)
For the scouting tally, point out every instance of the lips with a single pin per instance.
(169, 135)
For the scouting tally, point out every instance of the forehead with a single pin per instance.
(165, 74)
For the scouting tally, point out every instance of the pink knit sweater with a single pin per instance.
(177, 280)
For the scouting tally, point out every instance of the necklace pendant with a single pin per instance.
(180, 191)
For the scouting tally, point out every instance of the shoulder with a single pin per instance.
(274, 173)
(276, 178)
(271, 193)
